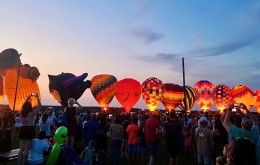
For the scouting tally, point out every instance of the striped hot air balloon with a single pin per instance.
(173, 96)
(189, 99)
(222, 97)
(257, 100)
(152, 89)
(243, 94)
(204, 90)
(25, 88)
(103, 89)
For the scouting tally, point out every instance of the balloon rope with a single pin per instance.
(16, 88)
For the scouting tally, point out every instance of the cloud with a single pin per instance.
(146, 34)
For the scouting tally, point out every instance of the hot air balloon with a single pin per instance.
(173, 96)
(66, 85)
(28, 72)
(243, 94)
(152, 89)
(189, 99)
(24, 89)
(222, 97)
(1, 88)
(103, 89)
(257, 100)
(9, 58)
(204, 91)
(128, 92)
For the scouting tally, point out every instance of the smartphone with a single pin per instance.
(234, 110)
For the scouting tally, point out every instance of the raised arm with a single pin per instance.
(227, 120)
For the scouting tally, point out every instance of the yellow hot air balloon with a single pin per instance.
(152, 89)
(222, 97)
(103, 89)
(189, 99)
(173, 96)
(257, 100)
(25, 88)
(243, 94)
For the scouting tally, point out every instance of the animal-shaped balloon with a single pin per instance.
(103, 89)
(24, 89)
(9, 58)
(222, 97)
(173, 96)
(243, 94)
(152, 89)
(189, 99)
(128, 92)
(60, 135)
(204, 91)
(1, 88)
(257, 100)
(28, 72)
(67, 85)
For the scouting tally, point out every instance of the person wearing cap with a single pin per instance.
(204, 141)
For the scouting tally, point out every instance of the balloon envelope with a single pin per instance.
(152, 89)
(189, 99)
(1, 88)
(128, 92)
(222, 97)
(257, 100)
(243, 94)
(103, 89)
(173, 96)
(9, 58)
(204, 92)
(25, 88)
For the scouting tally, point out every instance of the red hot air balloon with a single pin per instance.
(189, 99)
(128, 92)
(243, 94)
(204, 91)
(257, 100)
(152, 89)
(173, 96)
(103, 89)
(222, 97)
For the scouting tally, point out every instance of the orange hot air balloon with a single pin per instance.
(25, 88)
(243, 94)
(257, 100)
(222, 97)
(204, 91)
(103, 89)
(128, 92)
(173, 96)
(189, 99)
(152, 89)
(1, 88)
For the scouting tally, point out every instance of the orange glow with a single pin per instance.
(173, 96)
(152, 89)
(25, 88)
(242, 94)
(222, 97)
(204, 91)
(128, 92)
(103, 89)
(257, 100)
(1, 88)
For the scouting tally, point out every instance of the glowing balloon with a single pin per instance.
(128, 92)
(9, 58)
(204, 91)
(242, 94)
(103, 89)
(189, 99)
(257, 100)
(152, 89)
(67, 85)
(173, 96)
(25, 88)
(222, 97)
(1, 88)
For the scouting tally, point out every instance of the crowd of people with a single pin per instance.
(230, 138)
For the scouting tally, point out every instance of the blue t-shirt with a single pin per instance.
(37, 150)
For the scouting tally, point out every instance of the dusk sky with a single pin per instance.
(220, 40)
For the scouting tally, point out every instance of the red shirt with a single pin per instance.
(150, 130)
(132, 133)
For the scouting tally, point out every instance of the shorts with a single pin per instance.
(152, 149)
(132, 148)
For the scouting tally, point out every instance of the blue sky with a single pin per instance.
(139, 39)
